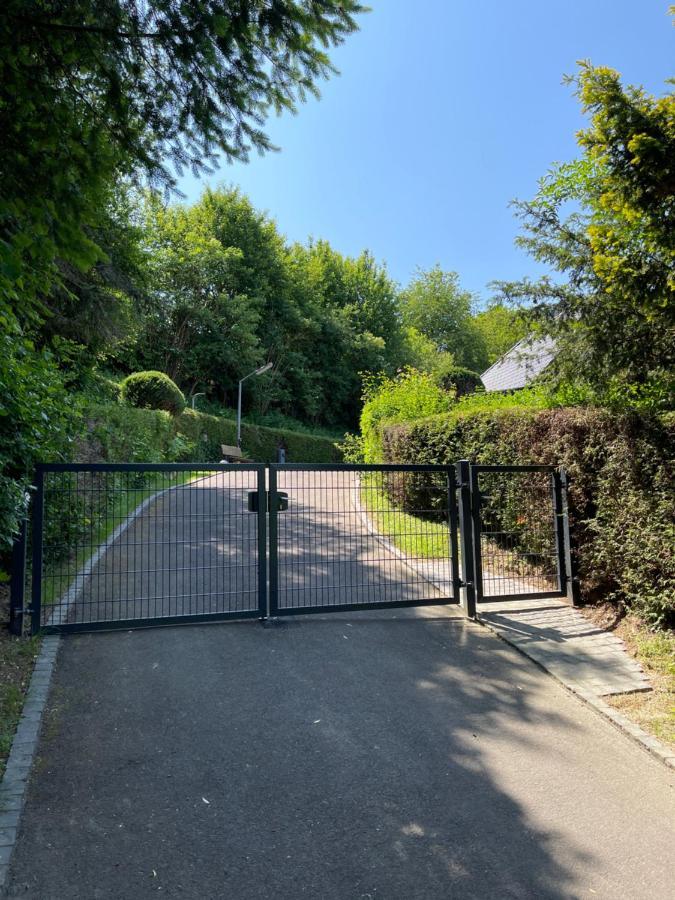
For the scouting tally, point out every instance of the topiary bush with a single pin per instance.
(458, 379)
(153, 390)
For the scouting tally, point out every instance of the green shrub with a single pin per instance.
(258, 443)
(621, 486)
(152, 390)
(38, 417)
(118, 433)
(410, 395)
(458, 379)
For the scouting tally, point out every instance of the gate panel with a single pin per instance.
(362, 537)
(518, 539)
(121, 545)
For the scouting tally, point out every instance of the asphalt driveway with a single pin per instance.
(377, 755)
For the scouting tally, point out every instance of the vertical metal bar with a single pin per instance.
(262, 543)
(452, 525)
(572, 578)
(17, 585)
(475, 501)
(556, 488)
(463, 471)
(38, 523)
(273, 543)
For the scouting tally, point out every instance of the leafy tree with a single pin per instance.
(90, 91)
(435, 305)
(613, 314)
(200, 323)
(359, 287)
(500, 327)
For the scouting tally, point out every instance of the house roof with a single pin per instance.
(520, 365)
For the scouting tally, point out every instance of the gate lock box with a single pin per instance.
(253, 505)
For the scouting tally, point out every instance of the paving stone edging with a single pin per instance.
(665, 754)
(15, 780)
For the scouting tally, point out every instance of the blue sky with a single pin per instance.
(444, 111)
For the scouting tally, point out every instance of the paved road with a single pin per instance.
(336, 757)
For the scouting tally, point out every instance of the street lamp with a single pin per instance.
(194, 397)
(258, 371)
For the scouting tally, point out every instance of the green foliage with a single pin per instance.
(435, 306)
(122, 434)
(501, 328)
(226, 294)
(613, 313)
(409, 395)
(152, 390)
(260, 444)
(38, 417)
(91, 92)
(621, 485)
(117, 433)
(458, 380)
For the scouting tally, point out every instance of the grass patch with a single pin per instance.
(412, 535)
(655, 651)
(17, 658)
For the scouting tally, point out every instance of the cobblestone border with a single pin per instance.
(15, 780)
(665, 754)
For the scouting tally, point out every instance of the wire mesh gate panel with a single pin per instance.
(120, 545)
(518, 532)
(142, 544)
(362, 537)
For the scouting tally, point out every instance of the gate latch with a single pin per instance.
(254, 506)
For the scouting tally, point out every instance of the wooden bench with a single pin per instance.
(231, 454)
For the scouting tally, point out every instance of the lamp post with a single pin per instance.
(258, 371)
(194, 397)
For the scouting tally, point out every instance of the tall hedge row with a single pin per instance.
(259, 443)
(123, 434)
(621, 487)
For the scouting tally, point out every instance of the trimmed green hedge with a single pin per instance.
(621, 486)
(258, 442)
(124, 434)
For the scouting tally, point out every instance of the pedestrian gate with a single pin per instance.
(118, 546)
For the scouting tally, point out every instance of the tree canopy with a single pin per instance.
(612, 311)
(92, 91)
(436, 306)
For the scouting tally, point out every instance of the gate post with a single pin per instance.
(17, 585)
(273, 597)
(571, 580)
(463, 472)
(36, 570)
(262, 542)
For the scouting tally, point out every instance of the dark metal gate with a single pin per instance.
(116, 546)
(362, 537)
(520, 533)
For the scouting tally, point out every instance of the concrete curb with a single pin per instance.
(15, 780)
(633, 731)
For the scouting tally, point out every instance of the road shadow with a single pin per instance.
(363, 756)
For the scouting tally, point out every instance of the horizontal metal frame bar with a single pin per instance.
(358, 467)
(541, 468)
(356, 607)
(115, 624)
(536, 595)
(149, 467)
